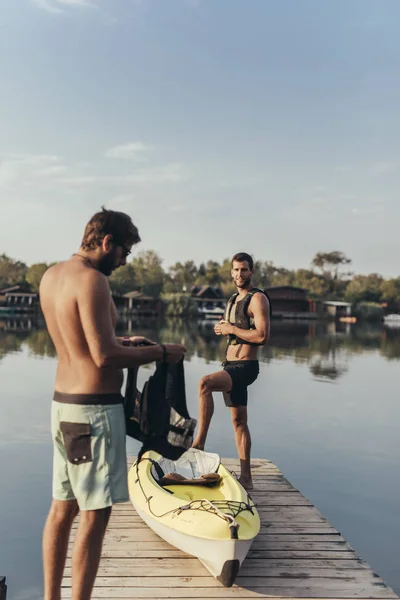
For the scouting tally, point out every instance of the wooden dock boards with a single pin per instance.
(298, 554)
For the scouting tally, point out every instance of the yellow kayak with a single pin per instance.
(198, 506)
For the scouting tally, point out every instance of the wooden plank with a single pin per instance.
(146, 535)
(285, 564)
(124, 531)
(257, 547)
(127, 551)
(345, 580)
(282, 515)
(272, 539)
(346, 590)
(193, 568)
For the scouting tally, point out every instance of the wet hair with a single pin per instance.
(109, 222)
(242, 257)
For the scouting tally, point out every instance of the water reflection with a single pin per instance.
(324, 347)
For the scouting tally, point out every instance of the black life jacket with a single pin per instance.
(242, 318)
(158, 416)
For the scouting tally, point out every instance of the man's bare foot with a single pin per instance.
(197, 445)
(246, 483)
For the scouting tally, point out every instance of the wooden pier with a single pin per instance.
(297, 554)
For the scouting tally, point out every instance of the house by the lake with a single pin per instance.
(291, 302)
(13, 301)
(209, 300)
(136, 303)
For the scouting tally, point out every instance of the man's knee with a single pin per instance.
(205, 385)
(91, 518)
(64, 511)
(239, 420)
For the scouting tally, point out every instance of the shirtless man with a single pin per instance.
(246, 323)
(88, 424)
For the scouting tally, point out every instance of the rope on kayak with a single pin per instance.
(215, 507)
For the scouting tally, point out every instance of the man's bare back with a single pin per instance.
(63, 294)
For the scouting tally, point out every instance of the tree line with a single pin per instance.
(328, 277)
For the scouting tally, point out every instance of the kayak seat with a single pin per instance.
(194, 467)
(208, 479)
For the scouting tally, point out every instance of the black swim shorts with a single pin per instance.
(243, 373)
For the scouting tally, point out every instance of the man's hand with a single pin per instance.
(140, 340)
(223, 328)
(174, 353)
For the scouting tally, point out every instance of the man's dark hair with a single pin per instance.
(242, 257)
(109, 222)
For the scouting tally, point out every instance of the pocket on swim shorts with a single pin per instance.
(77, 442)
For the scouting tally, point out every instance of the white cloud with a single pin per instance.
(21, 169)
(58, 6)
(131, 151)
(383, 168)
(28, 174)
(170, 173)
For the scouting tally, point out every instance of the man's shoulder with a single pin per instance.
(80, 279)
(50, 274)
(92, 279)
(259, 298)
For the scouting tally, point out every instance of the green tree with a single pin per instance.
(213, 276)
(390, 289)
(34, 275)
(183, 275)
(266, 274)
(180, 305)
(315, 284)
(365, 288)
(12, 272)
(225, 271)
(122, 280)
(330, 264)
(281, 276)
(201, 275)
(149, 274)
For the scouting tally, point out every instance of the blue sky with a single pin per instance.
(270, 126)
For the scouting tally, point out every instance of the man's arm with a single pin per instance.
(259, 306)
(94, 303)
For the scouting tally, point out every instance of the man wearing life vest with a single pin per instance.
(246, 324)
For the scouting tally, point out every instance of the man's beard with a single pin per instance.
(243, 284)
(106, 265)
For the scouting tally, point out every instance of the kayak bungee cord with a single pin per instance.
(215, 507)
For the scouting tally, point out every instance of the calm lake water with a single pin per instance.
(325, 409)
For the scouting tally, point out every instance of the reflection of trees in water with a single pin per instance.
(326, 368)
(39, 343)
(324, 347)
(10, 342)
(17, 334)
(390, 343)
(197, 336)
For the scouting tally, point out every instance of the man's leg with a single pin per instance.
(87, 551)
(55, 543)
(243, 444)
(216, 382)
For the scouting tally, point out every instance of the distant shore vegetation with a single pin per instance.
(328, 277)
